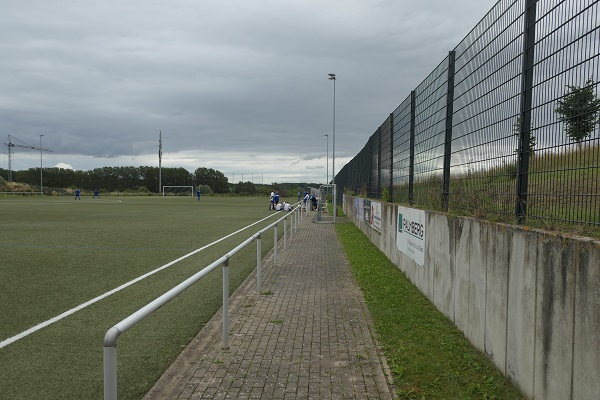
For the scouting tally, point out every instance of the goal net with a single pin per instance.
(177, 191)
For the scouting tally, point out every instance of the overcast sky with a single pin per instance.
(238, 86)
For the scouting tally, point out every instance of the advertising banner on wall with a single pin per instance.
(361, 208)
(411, 234)
(376, 215)
(358, 207)
(367, 211)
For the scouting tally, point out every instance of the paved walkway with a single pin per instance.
(307, 335)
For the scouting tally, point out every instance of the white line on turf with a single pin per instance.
(54, 202)
(44, 324)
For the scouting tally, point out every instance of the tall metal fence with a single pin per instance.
(507, 124)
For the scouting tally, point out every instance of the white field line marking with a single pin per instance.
(44, 324)
(18, 203)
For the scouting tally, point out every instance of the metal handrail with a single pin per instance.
(111, 336)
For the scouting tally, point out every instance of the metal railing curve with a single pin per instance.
(111, 336)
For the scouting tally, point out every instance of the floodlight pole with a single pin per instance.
(333, 78)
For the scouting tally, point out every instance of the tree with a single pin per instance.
(205, 189)
(578, 109)
(532, 139)
(177, 177)
(245, 188)
(215, 179)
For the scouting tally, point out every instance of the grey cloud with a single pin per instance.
(100, 79)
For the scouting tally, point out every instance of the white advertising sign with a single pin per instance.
(411, 234)
(361, 208)
(376, 215)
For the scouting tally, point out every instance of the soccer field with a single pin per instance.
(57, 253)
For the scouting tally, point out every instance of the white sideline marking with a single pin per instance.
(65, 201)
(44, 324)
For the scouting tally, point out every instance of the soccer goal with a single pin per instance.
(177, 191)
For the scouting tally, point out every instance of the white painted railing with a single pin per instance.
(111, 336)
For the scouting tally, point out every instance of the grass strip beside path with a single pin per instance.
(428, 356)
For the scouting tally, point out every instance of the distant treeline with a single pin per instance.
(145, 179)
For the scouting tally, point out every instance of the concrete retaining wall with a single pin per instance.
(528, 299)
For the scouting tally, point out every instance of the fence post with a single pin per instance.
(378, 132)
(370, 178)
(391, 166)
(525, 110)
(226, 305)
(448, 138)
(411, 167)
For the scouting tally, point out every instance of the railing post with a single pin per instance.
(275, 246)
(294, 222)
(284, 234)
(258, 262)
(110, 373)
(110, 363)
(226, 305)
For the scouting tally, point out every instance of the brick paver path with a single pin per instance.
(307, 335)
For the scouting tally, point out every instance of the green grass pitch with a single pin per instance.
(57, 253)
